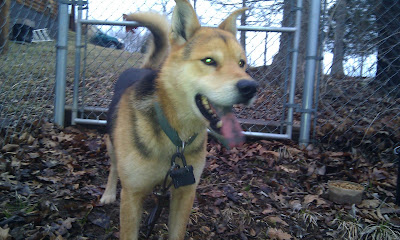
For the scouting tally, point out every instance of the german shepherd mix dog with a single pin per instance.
(160, 113)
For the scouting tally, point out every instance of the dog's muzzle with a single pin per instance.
(221, 118)
(247, 90)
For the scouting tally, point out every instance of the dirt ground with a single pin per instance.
(52, 179)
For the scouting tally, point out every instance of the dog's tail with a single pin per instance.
(158, 48)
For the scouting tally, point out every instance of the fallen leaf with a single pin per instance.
(264, 151)
(100, 219)
(253, 232)
(278, 234)
(215, 193)
(276, 219)
(4, 233)
(205, 230)
(369, 203)
(268, 210)
(65, 226)
(10, 147)
(294, 151)
(311, 198)
(379, 174)
(278, 198)
(288, 169)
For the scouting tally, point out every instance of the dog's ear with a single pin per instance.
(229, 24)
(184, 22)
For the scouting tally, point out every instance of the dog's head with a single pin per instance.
(212, 66)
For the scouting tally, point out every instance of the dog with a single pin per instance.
(189, 82)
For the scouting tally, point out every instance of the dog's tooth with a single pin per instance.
(219, 124)
(204, 100)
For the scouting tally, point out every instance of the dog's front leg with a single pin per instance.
(130, 214)
(180, 209)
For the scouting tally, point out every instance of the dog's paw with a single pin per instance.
(107, 198)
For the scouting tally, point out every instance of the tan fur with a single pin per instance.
(4, 25)
(159, 27)
(182, 76)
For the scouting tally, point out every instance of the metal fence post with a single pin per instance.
(78, 47)
(61, 63)
(292, 87)
(311, 64)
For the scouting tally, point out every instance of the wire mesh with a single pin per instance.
(358, 104)
(26, 68)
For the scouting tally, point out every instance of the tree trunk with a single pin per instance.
(243, 23)
(283, 56)
(388, 67)
(338, 49)
(279, 58)
(72, 19)
(265, 48)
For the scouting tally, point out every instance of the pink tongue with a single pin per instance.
(231, 130)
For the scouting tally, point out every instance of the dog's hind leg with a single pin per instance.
(110, 193)
(180, 209)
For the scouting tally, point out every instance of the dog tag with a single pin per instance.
(182, 176)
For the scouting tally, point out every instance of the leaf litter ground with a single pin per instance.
(52, 179)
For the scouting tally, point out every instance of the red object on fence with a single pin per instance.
(128, 28)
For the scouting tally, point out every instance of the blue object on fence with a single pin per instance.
(397, 152)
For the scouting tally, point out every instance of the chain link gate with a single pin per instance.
(99, 68)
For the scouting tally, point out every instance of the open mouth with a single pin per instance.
(222, 120)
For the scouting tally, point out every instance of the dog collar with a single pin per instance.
(169, 130)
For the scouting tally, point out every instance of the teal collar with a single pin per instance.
(169, 130)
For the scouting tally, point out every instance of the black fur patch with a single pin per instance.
(140, 145)
(144, 79)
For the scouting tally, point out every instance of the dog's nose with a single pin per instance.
(247, 88)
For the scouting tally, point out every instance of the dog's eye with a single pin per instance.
(242, 63)
(209, 61)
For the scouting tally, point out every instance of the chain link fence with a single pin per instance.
(28, 61)
(357, 95)
(26, 65)
(358, 101)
